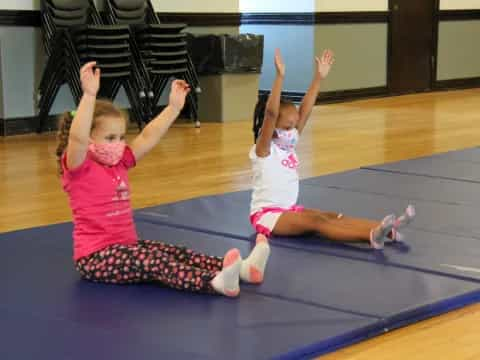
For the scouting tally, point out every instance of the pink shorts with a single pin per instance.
(264, 221)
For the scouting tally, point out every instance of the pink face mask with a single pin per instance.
(286, 139)
(109, 153)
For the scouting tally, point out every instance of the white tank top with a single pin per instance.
(275, 179)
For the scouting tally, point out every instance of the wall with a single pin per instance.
(458, 59)
(296, 43)
(459, 4)
(300, 44)
(20, 5)
(351, 5)
(360, 55)
(203, 6)
(276, 6)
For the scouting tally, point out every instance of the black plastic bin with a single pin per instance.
(219, 54)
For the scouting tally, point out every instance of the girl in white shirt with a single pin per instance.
(273, 209)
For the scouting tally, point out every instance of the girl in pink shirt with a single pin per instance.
(277, 128)
(93, 162)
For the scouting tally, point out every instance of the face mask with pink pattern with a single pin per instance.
(286, 139)
(108, 154)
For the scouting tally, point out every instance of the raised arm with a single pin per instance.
(82, 122)
(323, 68)
(154, 131)
(272, 109)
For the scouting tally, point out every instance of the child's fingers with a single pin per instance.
(330, 56)
(326, 56)
(180, 84)
(88, 66)
(278, 55)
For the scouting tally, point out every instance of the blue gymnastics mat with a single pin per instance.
(47, 312)
(227, 214)
(314, 302)
(402, 186)
(457, 165)
(444, 237)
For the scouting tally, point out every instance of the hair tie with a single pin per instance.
(73, 113)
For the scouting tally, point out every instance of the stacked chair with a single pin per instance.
(74, 34)
(160, 50)
(56, 19)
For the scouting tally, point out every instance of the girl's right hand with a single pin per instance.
(90, 79)
(279, 64)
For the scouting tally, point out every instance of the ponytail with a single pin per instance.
(64, 124)
(259, 114)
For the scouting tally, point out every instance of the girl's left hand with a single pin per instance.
(178, 93)
(325, 63)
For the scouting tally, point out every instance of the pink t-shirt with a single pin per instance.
(99, 197)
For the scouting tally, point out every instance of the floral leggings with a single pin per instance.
(151, 261)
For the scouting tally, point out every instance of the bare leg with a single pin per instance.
(330, 225)
(346, 221)
(365, 224)
(298, 223)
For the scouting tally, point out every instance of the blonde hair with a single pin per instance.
(102, 108)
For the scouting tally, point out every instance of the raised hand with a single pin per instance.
(178, 93)
(90, 78)
(324, 64)
(279, 64)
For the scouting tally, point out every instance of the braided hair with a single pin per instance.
(64, 124)
(102, 108)
(259, 113)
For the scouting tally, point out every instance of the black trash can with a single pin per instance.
(219, 54)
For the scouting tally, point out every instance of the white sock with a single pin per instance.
(253, 267)
(227, 281)
(377, 235)
(403, 221)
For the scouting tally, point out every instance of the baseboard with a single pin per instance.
(28, 125)
(293, 96)
(32, 18)
(336, 96)
(25, 125)
(459, 15)
(453, 84)
(20, 18)
(354, 94)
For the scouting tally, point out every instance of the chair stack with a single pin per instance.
(110, 46)
(73, 34)
(160, 49)
(134, 50)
